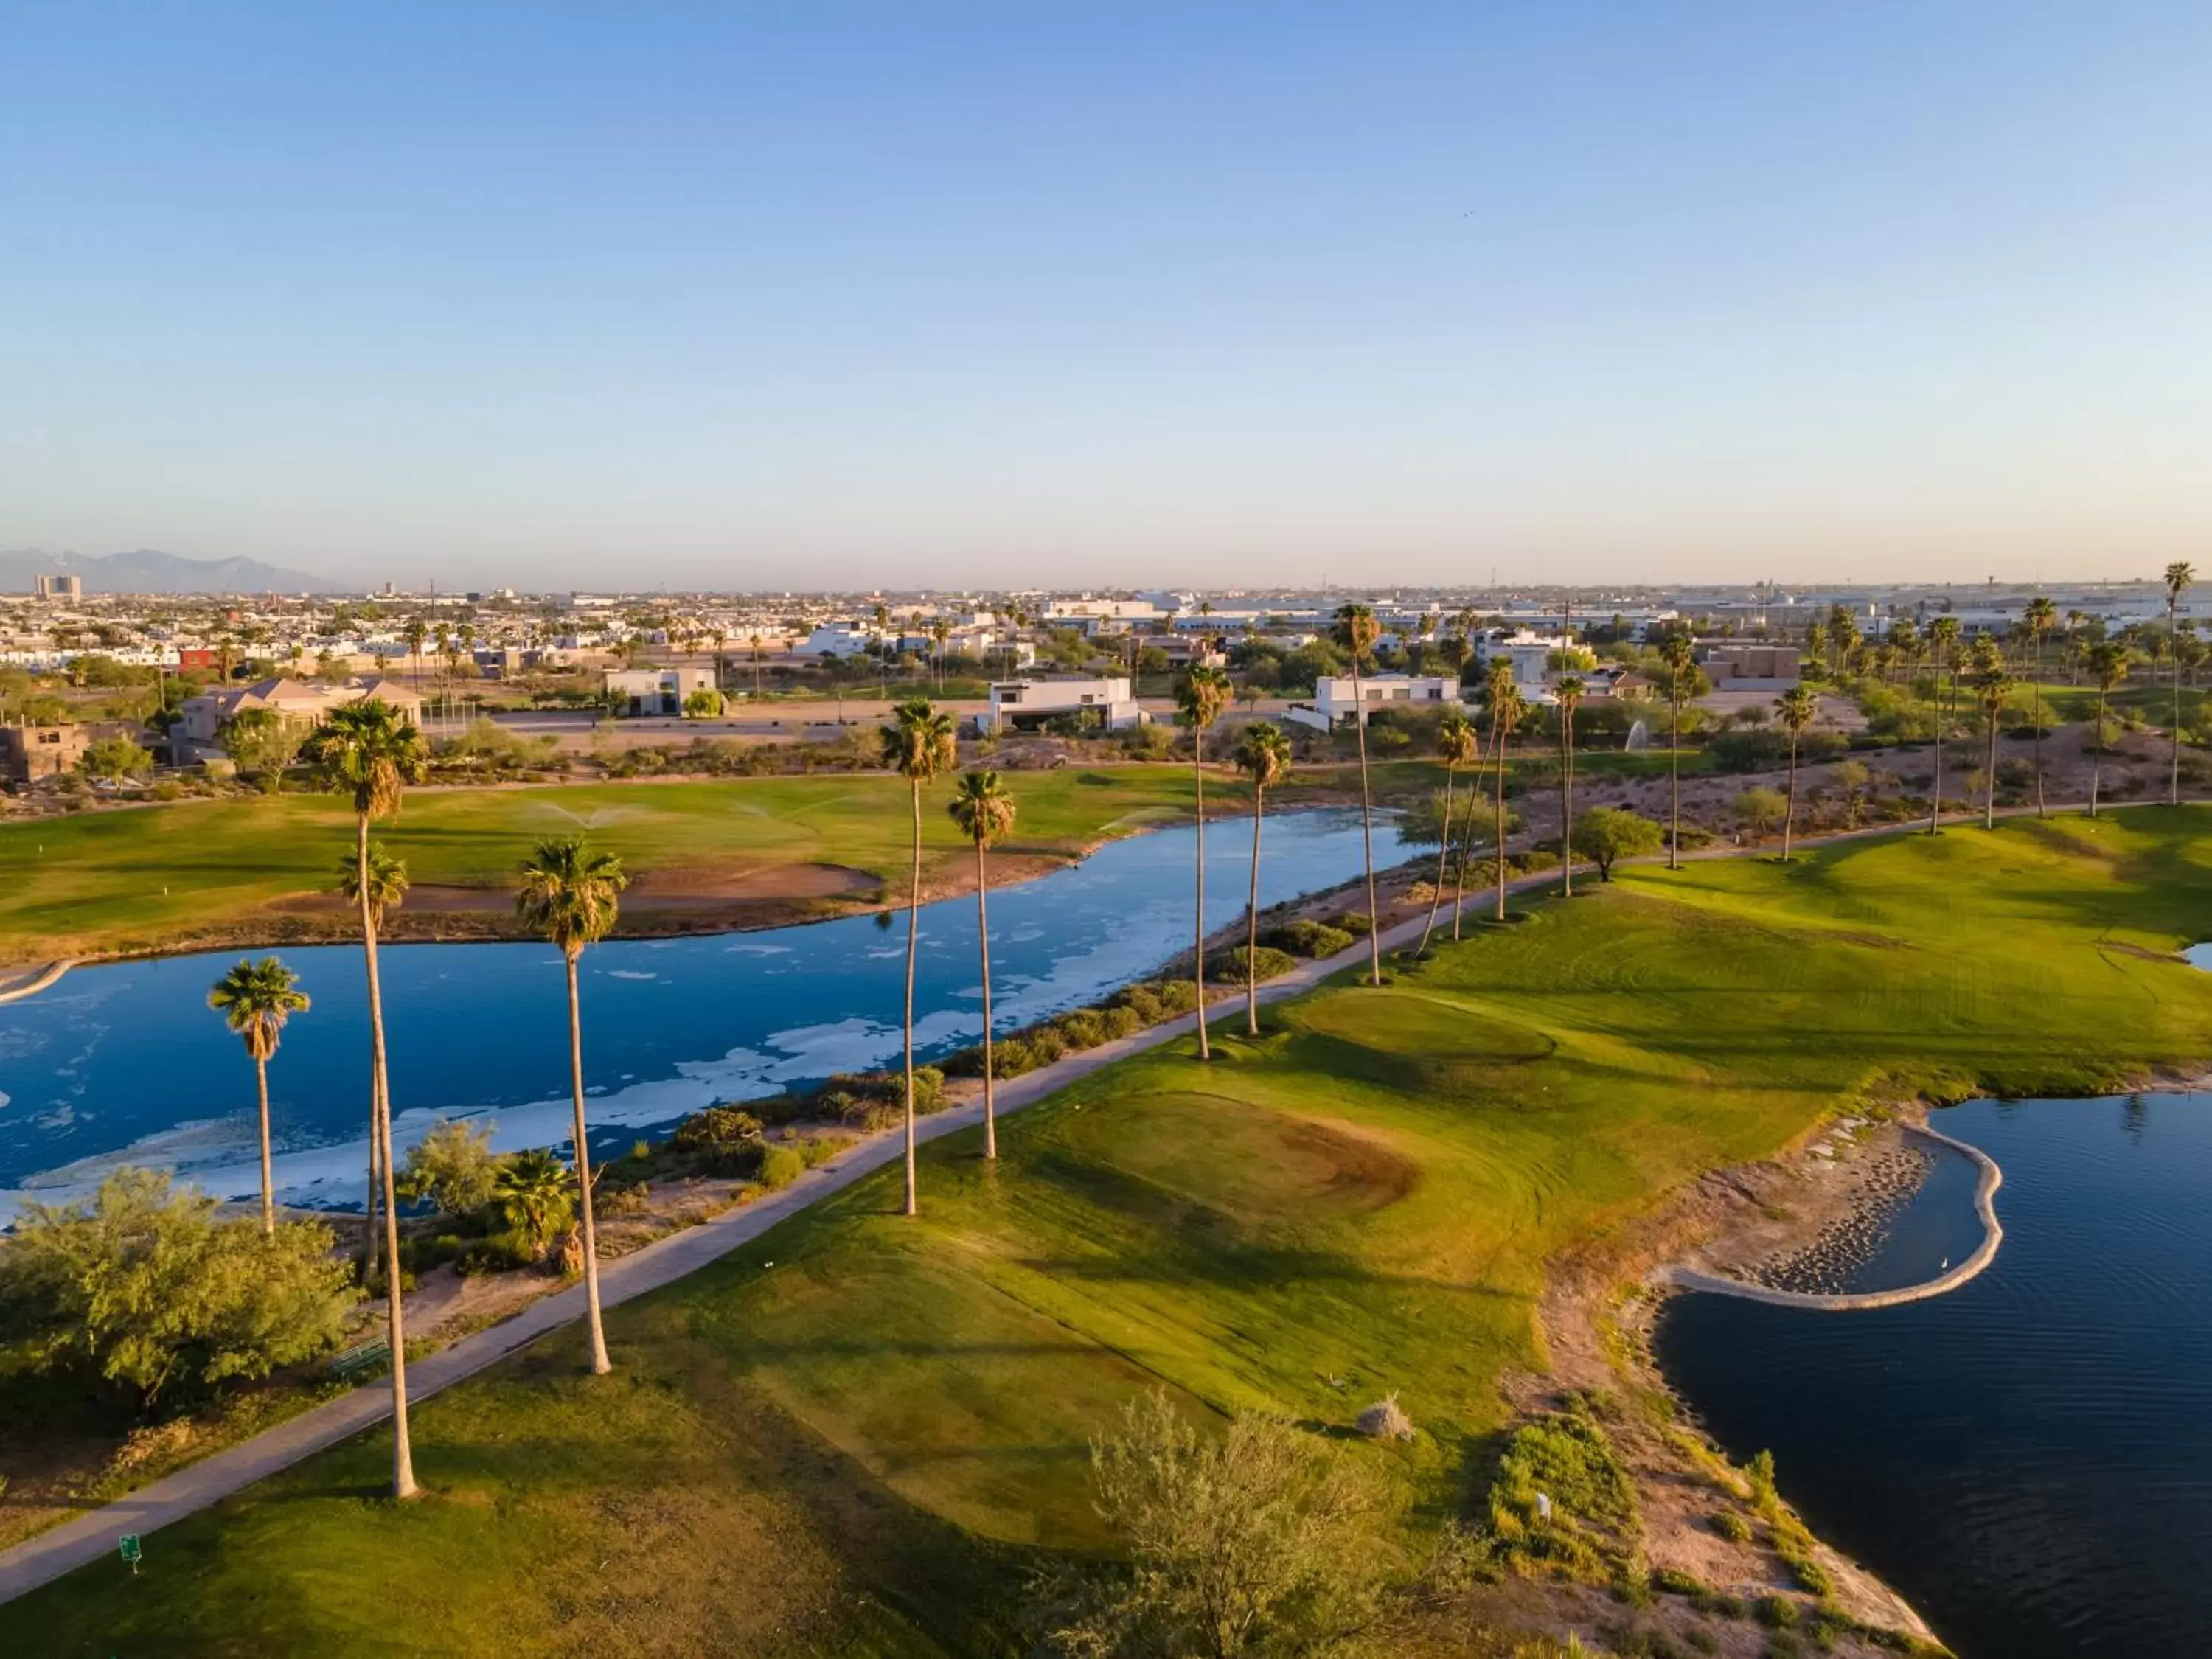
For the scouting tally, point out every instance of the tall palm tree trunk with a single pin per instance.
(268, 1179)
(1989, 775)
(1790, 806)
(1674, 786)
(600, 1366)
(1444, 853)
(2096, 752)
(2173, 656)
(1459, 887)
(1566, 803)
(1498, 845)
(1366, 827)
(403, 1455)
(1936, 795)
(1198, 921)
(2039, 812)
(1252, 923)
(913, 931)
(983, 937)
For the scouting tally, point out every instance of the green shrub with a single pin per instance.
(1776, 1612)
(1305, 938)
(1672, 1581)
(723, 1140)
(1732, 1527)
(779, 1166)
(1228, 967)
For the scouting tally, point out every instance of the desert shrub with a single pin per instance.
(1262, 1539)
(1776, 1612)
(1760, 810)
(1084, 1027)
(1354, 923)
(452, 1167)
(1673, 1581)
(1732, 1527)
(779, 1166)
(722, 1140)
(1747, 750)
(1305, 938)
(820, 1149)
(1386, 1420)
(1122, 1021)
(1561, 1495)
(1227, 967)
(142, 1285)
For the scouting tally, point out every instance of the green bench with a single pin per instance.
(356, 1363)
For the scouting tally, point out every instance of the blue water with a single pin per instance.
(126, 1063)
(2028, 1459)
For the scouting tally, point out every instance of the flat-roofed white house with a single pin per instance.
(657, 691)
(1027, 705)
(841, 639)
(1335, 704)
(1530, 654)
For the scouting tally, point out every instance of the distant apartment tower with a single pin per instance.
(56, 588)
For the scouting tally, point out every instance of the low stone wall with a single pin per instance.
(1691, 1279)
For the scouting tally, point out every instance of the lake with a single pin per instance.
(124, 1062)
(2028, 1459)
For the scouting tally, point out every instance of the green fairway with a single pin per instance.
(144, 878)
(851, 1450)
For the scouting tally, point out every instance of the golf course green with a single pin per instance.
(850, 1436)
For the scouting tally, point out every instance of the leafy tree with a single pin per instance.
(263, 742)
(452, 1167)
(703, 704)
(984, 809)
(1261, 1541)
(918, 745)
(1796, 708)
(1355, 633)
(536, 1194)
(116, 758)
(571, 896)
(256, 997)
(371, 751)
(1759, 809)
(141, 1282)
(1199, 701)
(1851, 780)
(1263, 755)
(1606, 833)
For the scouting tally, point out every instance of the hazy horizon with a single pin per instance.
(868, 295)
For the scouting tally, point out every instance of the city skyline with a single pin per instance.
(1589, 295)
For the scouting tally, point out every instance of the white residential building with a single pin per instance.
(1026, 705)
(657, 691)
(1530, 654)
(1335, 703)
(841, 639)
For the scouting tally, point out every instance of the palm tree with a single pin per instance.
(1456, 745)
(1506, 708)
(416, 634)
(2178, 578)
(258, 997)
(1993, 685)
(1569, 691)
(1942, 644)
(2108, 664)
(372, 749)
(1795, 707)
(917, 744)
(754, 641)
(1263, 755)
(2041, 616)
(533, 1189)
(984, 810)
(1681, 666)
(1357, 631)
(1200, 700)
(571, 895)
(387, 890)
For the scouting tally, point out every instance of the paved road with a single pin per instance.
(92, 1536)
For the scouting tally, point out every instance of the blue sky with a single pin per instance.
(827, 292)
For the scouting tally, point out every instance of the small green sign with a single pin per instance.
(128, 1544)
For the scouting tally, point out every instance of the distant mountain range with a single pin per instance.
(149, 571)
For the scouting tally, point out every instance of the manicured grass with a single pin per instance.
(137, 880)
(852, 1449)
